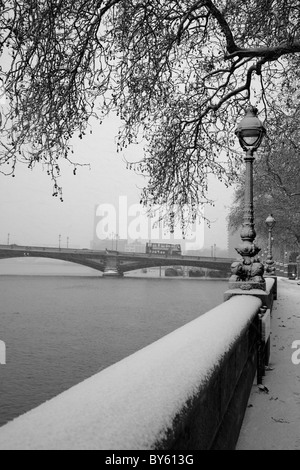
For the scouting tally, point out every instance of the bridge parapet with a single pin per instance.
(189, 390)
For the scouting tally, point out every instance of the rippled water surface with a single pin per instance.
(66, 324)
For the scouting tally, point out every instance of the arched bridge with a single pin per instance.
(113, 263)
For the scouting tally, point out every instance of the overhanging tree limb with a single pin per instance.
(178, 74)
(269, 53)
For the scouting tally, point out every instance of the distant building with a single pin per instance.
(136, 247)
(109, 244)
(234, 240)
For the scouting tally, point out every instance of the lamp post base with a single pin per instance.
(247, 274)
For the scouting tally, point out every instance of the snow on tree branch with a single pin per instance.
(178, 73)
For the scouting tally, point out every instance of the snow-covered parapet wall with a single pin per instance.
(186, 391)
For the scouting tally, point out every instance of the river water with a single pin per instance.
(66, 323)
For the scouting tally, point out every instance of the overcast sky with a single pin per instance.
(32, 216)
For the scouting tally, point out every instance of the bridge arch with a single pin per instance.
(116, 261)
(93, 264)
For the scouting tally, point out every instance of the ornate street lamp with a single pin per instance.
(250, 131)
(248, 273)
(270, 223)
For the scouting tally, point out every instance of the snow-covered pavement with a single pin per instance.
(272, 420)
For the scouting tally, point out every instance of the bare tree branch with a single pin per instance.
(177, 73)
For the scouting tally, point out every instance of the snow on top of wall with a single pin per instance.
(269, 283)
(132, 403)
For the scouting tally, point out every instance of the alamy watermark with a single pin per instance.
(2, 353)
(133, 222)
(296, 354)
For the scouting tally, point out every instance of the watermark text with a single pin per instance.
(132, 222)
(296, 354)
(2, 353)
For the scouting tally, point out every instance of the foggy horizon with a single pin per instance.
(30, 215)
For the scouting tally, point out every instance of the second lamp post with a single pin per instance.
(270, 223)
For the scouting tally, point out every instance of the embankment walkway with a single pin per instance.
(272, 420)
